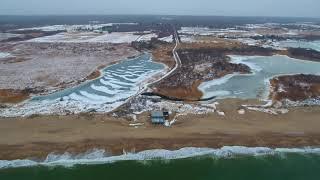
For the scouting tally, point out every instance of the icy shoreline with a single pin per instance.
(99, 156)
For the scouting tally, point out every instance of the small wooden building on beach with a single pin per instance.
(157, 117)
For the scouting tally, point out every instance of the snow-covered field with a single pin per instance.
(73, 27)
(147, 37)
(249, 41)
(5, 36)
(167, 39)
(56, 64)
(187, 38)
(115, 37)
(205, 31)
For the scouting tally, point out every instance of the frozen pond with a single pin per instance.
(118, 83)
(315, 45)
(256, 85)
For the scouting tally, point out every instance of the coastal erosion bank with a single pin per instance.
(38, 136)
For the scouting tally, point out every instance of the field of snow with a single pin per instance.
(73, 27)
(115, 37)
(249, 41)
(147, 37)
(187, 38)
(168, 39)
(205, 31)
(57, 63)
(5, 36)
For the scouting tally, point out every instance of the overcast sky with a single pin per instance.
(297, 8)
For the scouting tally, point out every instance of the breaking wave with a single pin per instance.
(99, 156)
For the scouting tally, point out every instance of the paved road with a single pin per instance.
(175, 56)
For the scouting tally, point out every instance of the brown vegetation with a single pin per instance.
(188, 93)
(94, 75)
(163, 54)
(295, 87)
(13, 96)
(305, 54)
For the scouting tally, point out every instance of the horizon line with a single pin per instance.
(191, 15)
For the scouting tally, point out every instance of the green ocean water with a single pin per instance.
(272, 167)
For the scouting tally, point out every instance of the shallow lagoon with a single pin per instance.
(256, 85)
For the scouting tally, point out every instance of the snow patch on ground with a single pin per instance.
(141, 105)
(115, 37)
(147, 37)
(168, 39)
(5, 55)
(74, 27)
(187, 38)
(273, 111)
(205, 31)
(5, 36)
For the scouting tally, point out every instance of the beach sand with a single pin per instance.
(37, 136)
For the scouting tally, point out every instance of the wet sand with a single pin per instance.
(37, 136)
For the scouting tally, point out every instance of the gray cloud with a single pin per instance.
(297, 8)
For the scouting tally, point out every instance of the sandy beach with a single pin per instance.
(37, 136)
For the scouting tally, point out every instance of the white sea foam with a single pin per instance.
(101, 157)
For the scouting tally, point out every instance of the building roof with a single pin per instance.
(157, 117)
(158, 120)
(157, 114)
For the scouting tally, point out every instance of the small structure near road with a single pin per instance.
(157, 117)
